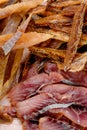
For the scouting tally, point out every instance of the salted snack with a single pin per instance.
(43, 64)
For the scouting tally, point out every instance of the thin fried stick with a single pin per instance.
(75, 36)
(66, 3)
(18, 8)
(79, 62)
(51, 34)
(48, 52)
(70, 10)
(4, 60)
(52, 19)
(12, 24)
(22, 28)
(11, 42)
(27, 39)
(3, 1)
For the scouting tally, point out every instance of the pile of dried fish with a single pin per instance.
(42, 43)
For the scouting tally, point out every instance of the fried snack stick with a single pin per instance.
(3, 1)
(7, 47)
(12, 24)
(79, 62)
(70, 10)
(14, 67)
(75, 36)
(48, 52)
(27, 39)
(66, 3)
(53, 19)
(14, 21)
(18, 8)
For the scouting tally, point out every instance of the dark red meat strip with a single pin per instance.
(78, 116)
(78, 78)
(29, 108)
(47, 123)
(66, 93)
(27, 125)
(24, 89)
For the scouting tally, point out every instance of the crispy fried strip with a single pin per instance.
(70, 10)
(58, 35)
(48, 52)
(21, 29)
(27, 39)
(12, 24)
(15, 66)
(18, 8)
(56, 27)
(45, 34)
(14, 20)
(66, 3)
(79, 62)
(3, 1)
(7, 47)
(76, 32)
(53, 19)
(3, 63)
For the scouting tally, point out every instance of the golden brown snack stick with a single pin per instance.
(18, 8)
(3, 1)
(79, 62)
(27, 39)
(52, 19)
(75, 36)
(66, 3)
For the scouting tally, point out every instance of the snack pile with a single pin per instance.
(43, 63)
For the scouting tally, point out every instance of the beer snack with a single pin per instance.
(43, 64)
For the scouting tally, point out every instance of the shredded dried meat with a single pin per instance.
(42, 39)
(48, 123)
(28, 109)
(24, 89)
(76, 33)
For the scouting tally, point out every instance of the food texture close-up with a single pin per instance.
(43, 64)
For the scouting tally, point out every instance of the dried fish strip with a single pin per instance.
(57, 18)
(18, 8)
(12, 24)
(70, 10)
(48, 52)
(15, 66)
(43, 33)
(21, 29)
(14, 20)
(3, 64)
(27, 39)
(75, 36)
(79, 62)
(3, 1)
(7, 47)
(66, 3)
